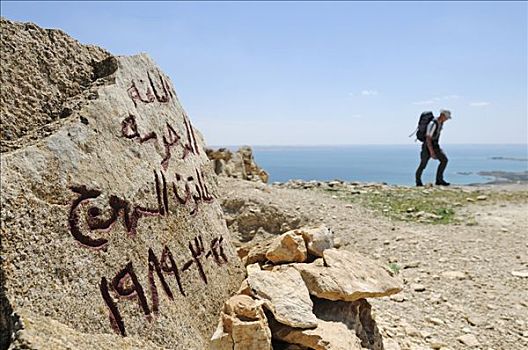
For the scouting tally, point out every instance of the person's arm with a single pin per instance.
(429, 141)
(429, 138)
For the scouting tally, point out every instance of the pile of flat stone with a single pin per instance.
(302, 293)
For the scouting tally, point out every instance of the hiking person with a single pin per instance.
(429, 130)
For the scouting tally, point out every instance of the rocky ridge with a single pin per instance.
(239, 164)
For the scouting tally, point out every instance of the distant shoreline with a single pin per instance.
(391, 164)
(510, 158)
(504, 177)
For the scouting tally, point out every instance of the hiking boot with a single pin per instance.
(419, 184)
(442, 183)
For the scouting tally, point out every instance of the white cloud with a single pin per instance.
(369, 92)
(479, 104)
(436, 99)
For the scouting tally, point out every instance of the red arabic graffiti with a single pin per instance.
(191, 145)
(87, 221)
(131, 214)
(159, 91)
(166, 265)
(170, 138)
(94, 221)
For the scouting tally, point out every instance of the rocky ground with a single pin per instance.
(464, 265)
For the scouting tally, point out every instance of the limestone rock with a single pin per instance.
(285, 295)
(295, 347)
(42, 70)
(253, 171)
(459, 275)
(326, 336)
(340, 325)
(418, 287)
(252, 268)
(347, 276)
(239, 164)
(520, 273)
(469, 340)
(288, 247)
(390, 344)
(244, 288)
(243, 325)
(317, 239)
(253, 217)
(109, 219)
(256, 253)
(355, 315)
(41, 332)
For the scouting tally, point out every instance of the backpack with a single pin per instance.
(425, 119)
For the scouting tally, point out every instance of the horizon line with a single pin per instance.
(362, 144)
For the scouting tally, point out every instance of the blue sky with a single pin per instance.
(293, 73)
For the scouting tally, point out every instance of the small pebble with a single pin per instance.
(469, 340)
(418, 287)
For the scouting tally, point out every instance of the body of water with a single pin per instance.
(393, 164)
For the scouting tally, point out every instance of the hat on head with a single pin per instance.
(446, 113)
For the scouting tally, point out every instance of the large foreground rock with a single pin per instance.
(110, 222)
(42, 72)
(41, 332)
(348, 276)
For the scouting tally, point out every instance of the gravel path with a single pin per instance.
(459, 292)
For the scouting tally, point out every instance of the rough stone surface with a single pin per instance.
(326, 336)
(88, 209)
(340, 325)
(239, 164)
(255, 253)
(469, 340)
(41, 332)
(42, 70)
(459, 275)
(258, 217)
(288, 247)
(390, 344)
(347, 276)
(317, 239)
(521, 273)
(285, 295)
(243, 325)
(355, 315)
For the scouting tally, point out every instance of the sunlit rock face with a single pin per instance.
(110, 219)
